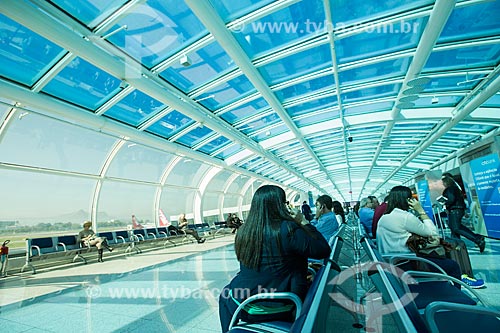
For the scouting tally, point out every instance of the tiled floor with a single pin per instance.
(486, 266)
(172, 290)
(169, 290)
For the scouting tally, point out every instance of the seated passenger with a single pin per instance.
(272, 248)
(365, 213)
(182, 229)
(233, 221)
(339, 212)
(325, 221)
(88, 238)
(397, 224)
(379, 211)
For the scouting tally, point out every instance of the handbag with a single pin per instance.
(428, 246)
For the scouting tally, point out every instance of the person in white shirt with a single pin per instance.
(397, 224)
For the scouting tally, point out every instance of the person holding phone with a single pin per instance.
(325, 220)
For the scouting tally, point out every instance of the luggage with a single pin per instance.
(460, 254)
(436, 210)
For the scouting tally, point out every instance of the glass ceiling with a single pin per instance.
(271, 88)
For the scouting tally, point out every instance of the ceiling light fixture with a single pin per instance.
(185, 61)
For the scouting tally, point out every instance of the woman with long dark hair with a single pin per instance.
(339, 212)
(272, 248)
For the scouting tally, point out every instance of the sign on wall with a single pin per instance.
(425, 198)
(486, 174)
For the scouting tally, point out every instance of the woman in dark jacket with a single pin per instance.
(272, 248)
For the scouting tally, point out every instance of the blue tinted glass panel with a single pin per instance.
(170, 124)
(443, 101)
(196, 135)
(25, 55)
(480, 20)
(467, 57)
(270, 133)
(453, 83)
(230, 9)
(298, 64)
(214, 145)
(494, 101)
(317, 118)
(251, 162)
(368, 108)
(346, 12)
(371, 93)
(89, 12)
(134, 108)
(311, 106)
(383, 40)
(206, 64)
(83, 84)
(245, 110)
(227, 93)
(260, 123)
(230, 151)
(298, 21)
(307, 87)
(156, 30)
(378, 71)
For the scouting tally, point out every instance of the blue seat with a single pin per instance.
(39, 246)
(68, 242)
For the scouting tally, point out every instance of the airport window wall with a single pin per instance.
(120, 108)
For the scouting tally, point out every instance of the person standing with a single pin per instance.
(455, 208)
(272, 247)
(306, 211)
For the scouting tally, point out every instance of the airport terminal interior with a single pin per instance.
(132, 113)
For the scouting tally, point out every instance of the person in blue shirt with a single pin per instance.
(325, 220)
(365, 213)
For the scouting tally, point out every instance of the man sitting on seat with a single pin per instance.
(88, 238)
(234, 222)
(181, 229)
(325, 220)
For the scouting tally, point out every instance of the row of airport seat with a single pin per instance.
(59, 250)
(427, 302)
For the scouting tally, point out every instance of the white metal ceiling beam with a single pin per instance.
(69, 34)
(85, 119)
(437, 20)
(212, 21)
(480, 95)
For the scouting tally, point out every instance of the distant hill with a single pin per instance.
(74, 217)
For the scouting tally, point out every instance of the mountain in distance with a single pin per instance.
(75, 217)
